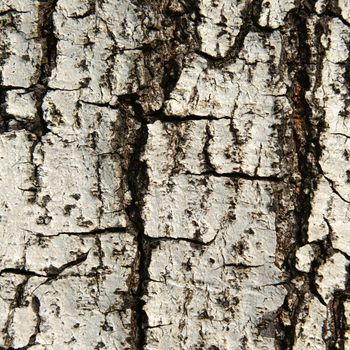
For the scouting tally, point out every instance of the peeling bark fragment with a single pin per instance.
(345, 9)
(221, 23)
(347, 317)
(21, 48)
(248, 85)
(21, 104)
(17, 196)
(273, 13)
(21, 331)
(332, 97)
(332, 276)
(305, 256)
(311, 321)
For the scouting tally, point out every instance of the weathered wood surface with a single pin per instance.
(174, 174)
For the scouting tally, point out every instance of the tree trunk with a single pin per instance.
(174, 174)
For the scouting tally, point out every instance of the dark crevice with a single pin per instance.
(52, 271)
(242, 266)
(46, 10)
(48, 40)
(131, 99)
(323, 250)
(208, 137)
(250, 16)
(21, 272)
(137, 180)
(181, 119)
(235, 49)
(333, 11)
(185, 33)
(340, 134)
(49, 47)
(195, 243)
(159, 326)
(238, 175)
(98, 104)
(96, 231)
(308, 124)
(338, 324)
(164, 58)
(306, 133)
(94, 139)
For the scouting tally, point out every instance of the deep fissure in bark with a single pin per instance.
(307, 129)
(137, 183)
(168, 54)
(49, 47)
(308, 150)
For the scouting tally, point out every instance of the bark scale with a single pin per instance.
(174, 174)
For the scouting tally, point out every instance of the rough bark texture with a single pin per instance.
(174, 174)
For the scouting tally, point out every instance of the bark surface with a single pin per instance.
(174, 174)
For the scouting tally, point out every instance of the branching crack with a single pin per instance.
(331, 183)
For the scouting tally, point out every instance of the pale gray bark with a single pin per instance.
(174, 174)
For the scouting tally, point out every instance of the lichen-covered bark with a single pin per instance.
(174, 174)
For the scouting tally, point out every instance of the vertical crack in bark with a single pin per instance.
(137, 180)
(308, 124)
(49, 48)
(183, 34)
(49, 52)
(47, 28)
(4, 54)
(337, 325)
(306, 133)
(164, 60)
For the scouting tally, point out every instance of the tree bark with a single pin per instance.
(174, 174)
